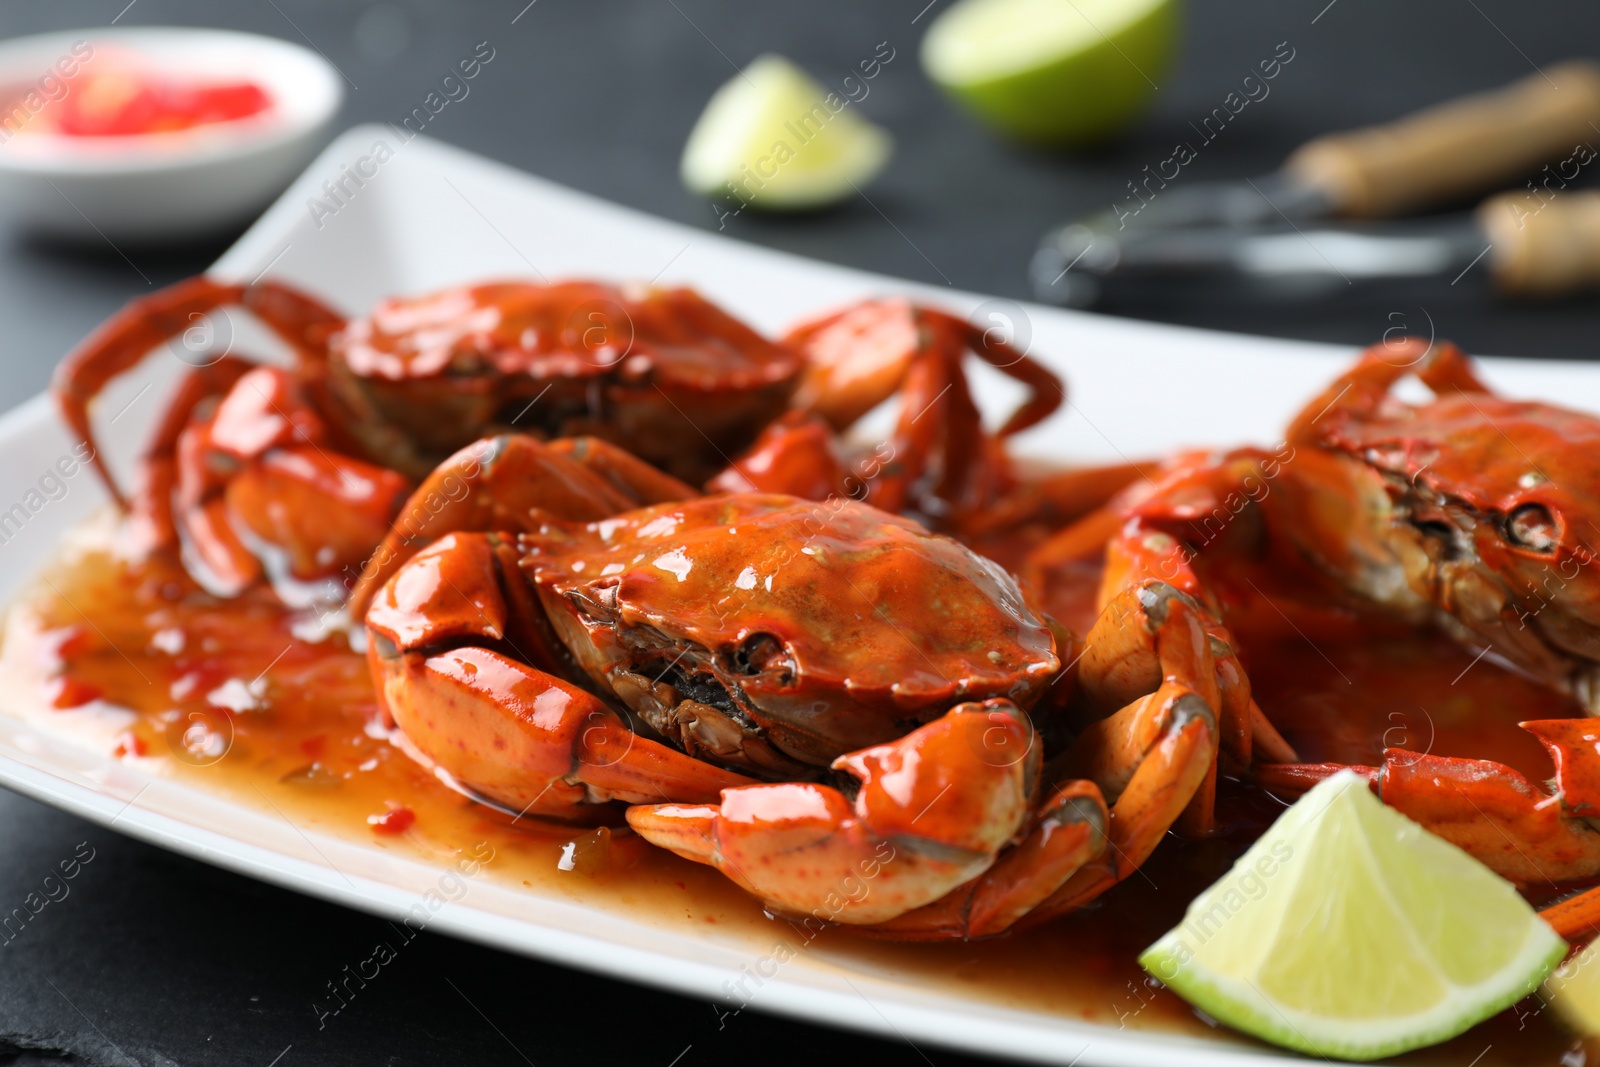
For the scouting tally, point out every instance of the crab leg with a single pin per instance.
(1362, 389)
(507, 728)
(1134, 647)
(637, 480)
(857, 358)
(1154, 756)
(1082, 541)
(1057, 501)
(1490, 810)
(939, 449)
(932, 811)
(1576, 918)
(938, 437)
(128, 336)
(798, 454)
(506, 484)
(1149, 543)
(151, 508)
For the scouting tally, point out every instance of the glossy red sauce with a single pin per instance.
(123, 101)
(227, 695)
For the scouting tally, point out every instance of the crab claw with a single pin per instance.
(1519, 830)
(257, 467)
(932, 811)
(526, 739)
(1494, 813)
(505, 728)
(1574, 747)
(492, 484)
(1065, 836)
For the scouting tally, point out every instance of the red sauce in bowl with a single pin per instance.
(125, 101)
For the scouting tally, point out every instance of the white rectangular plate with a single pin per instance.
(433, 216)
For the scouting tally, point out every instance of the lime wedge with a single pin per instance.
(773, 138)
(1064, 71)
(1574, 991)
(1350, 931)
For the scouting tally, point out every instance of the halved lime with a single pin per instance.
(1574, 991)
(1350, 931)
(773, 138)
(1064, 71)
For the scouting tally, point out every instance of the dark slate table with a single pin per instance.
(156, 959)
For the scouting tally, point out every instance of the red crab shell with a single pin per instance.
(824, 628)
(1503, 496)
(663, 371)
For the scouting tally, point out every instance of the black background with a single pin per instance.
(156, 959)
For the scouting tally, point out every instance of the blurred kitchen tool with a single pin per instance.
(1471, 145)
(1551, 250)
(168, 185)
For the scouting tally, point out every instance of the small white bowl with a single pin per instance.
(168, 186)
